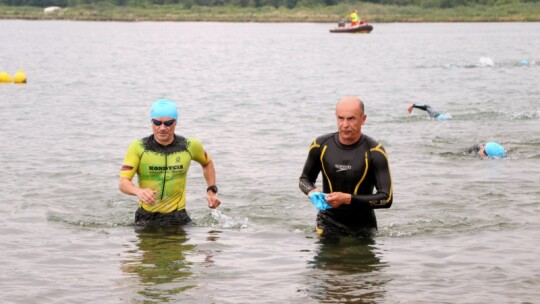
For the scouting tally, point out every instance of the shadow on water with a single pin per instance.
(159, 262)
(347, 271)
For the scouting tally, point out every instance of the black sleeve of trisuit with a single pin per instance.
(383, 183)
(474, 149)
(311, 170)
(421, 107)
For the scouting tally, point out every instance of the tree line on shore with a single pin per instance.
(187, 4)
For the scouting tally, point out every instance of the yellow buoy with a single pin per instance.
(19, 77)
(4, 77)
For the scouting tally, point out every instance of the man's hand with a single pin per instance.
(336, 199)
(318, 200)
(213, 200)
(147, 196)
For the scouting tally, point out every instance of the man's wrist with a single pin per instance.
(212, 188)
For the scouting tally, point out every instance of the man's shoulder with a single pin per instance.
(324, 138)
(375, 148)
(179, 144)
(191, 141)
(137, 142)
(370, 141)
(144, 139)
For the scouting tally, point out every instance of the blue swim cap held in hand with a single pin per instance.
(317, 199)
(164, 108)
(493, 149)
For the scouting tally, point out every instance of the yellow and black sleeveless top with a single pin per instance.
(163, 169)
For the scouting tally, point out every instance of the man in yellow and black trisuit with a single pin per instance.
(161, 162)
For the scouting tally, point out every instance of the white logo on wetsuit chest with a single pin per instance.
(342, 167)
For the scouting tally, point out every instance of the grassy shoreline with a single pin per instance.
(373, 13)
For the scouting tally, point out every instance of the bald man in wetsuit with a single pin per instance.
(352, 165)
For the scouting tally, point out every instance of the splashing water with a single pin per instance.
(486, 62)
(225, 221)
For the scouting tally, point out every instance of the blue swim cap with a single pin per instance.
(164, 108)
(442, 117)
(493, 149)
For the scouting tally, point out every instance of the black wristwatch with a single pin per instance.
(212, 188)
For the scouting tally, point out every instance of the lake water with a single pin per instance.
(461, 229)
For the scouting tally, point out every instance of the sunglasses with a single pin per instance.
(167, 123)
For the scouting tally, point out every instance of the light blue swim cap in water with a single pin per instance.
(164, 108)
(442, 117)
(493, 149)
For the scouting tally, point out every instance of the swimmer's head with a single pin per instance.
(442, 117)
(493, 149)
(164, 108)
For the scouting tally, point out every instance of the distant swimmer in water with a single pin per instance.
(490, 149)
(432, 113)
(352, 165)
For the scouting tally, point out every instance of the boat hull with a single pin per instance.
(365, 28)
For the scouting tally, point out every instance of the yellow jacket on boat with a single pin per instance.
(353, 18)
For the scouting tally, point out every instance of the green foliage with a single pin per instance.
(311, 3)
(187, 4)
(291, 3)
(37, 3)
(275, 3)
(452, 3)
(277, 10)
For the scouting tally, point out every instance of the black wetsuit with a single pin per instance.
(356, 169)
(432, 113)
(475, 150)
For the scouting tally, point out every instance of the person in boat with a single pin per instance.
(161, 162)
(352, 165)
(353, 17)
(431, 112)
(490, 149)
